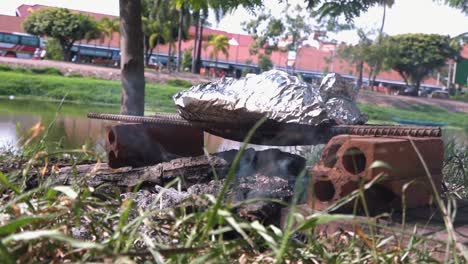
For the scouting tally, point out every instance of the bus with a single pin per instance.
(18, 45)
(92, 54)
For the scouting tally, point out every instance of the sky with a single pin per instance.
(406, 16)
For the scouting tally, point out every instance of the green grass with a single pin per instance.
(379, 114)
(83, 90)
(46, 70)
(37, 226)
(460, 97)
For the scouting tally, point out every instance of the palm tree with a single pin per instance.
(219, 43)
(153, 33)
(108, 27)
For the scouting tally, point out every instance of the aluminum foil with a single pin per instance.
(339, 96)
(282, 97)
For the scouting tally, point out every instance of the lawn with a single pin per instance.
(79, 89)
(379, 114)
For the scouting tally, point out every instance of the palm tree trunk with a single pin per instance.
(150, 53)
(369, 78)
(216, 65)
(147, 49)
(169, 55)
(132, 68)
(195, 43)
(110, 53)
(383, 22)
(376, 66)
(361, 68)
(179, 38)
(78, 54)
(199, 46)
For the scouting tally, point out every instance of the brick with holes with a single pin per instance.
(348, 162)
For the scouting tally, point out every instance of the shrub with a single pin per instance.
(5, 68)
(47, 70)
(187, 59)
(53, 50)
(75, 75)
(179, 83)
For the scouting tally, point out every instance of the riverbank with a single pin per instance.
(80, 89)
(378, 114)
(49, 84)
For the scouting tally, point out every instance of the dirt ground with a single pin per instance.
(100, 72)
(159, 77)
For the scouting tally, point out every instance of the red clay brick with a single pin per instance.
(347, 161)
(140, 145)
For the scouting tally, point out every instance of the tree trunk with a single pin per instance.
(110, 52)
(192, 169)
(169, 55)
(147, 48)
(360, 69)
(66, 49)
(195, 44)
(383, 22)
(78, 54)
(179, 38)
(216, 66)
(369, 78)
(132, 65)
(150, 53)
(199, 46)
(377, 65)
(416, 88)
(375, 72)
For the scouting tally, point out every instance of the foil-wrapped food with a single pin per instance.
(283, 98)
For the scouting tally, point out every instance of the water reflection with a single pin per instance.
(8, 137)
(69, 128)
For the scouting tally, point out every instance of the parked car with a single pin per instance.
(408, 90)
(439, 94)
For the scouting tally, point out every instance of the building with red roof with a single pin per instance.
(310, 61)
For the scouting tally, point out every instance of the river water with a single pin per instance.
(71, 129)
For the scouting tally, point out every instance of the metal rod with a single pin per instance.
(361, 130)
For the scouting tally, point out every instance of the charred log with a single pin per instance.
(191, 170)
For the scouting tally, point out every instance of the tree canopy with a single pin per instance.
(415, 56)
(61, 24)
(459, 4)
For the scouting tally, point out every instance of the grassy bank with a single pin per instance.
(461, 97)
(43, 223)
(84, 90)
(379, 114)
(48, 83)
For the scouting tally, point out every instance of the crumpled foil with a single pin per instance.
(282, 97)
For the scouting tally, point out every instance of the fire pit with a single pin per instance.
(297, 114)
